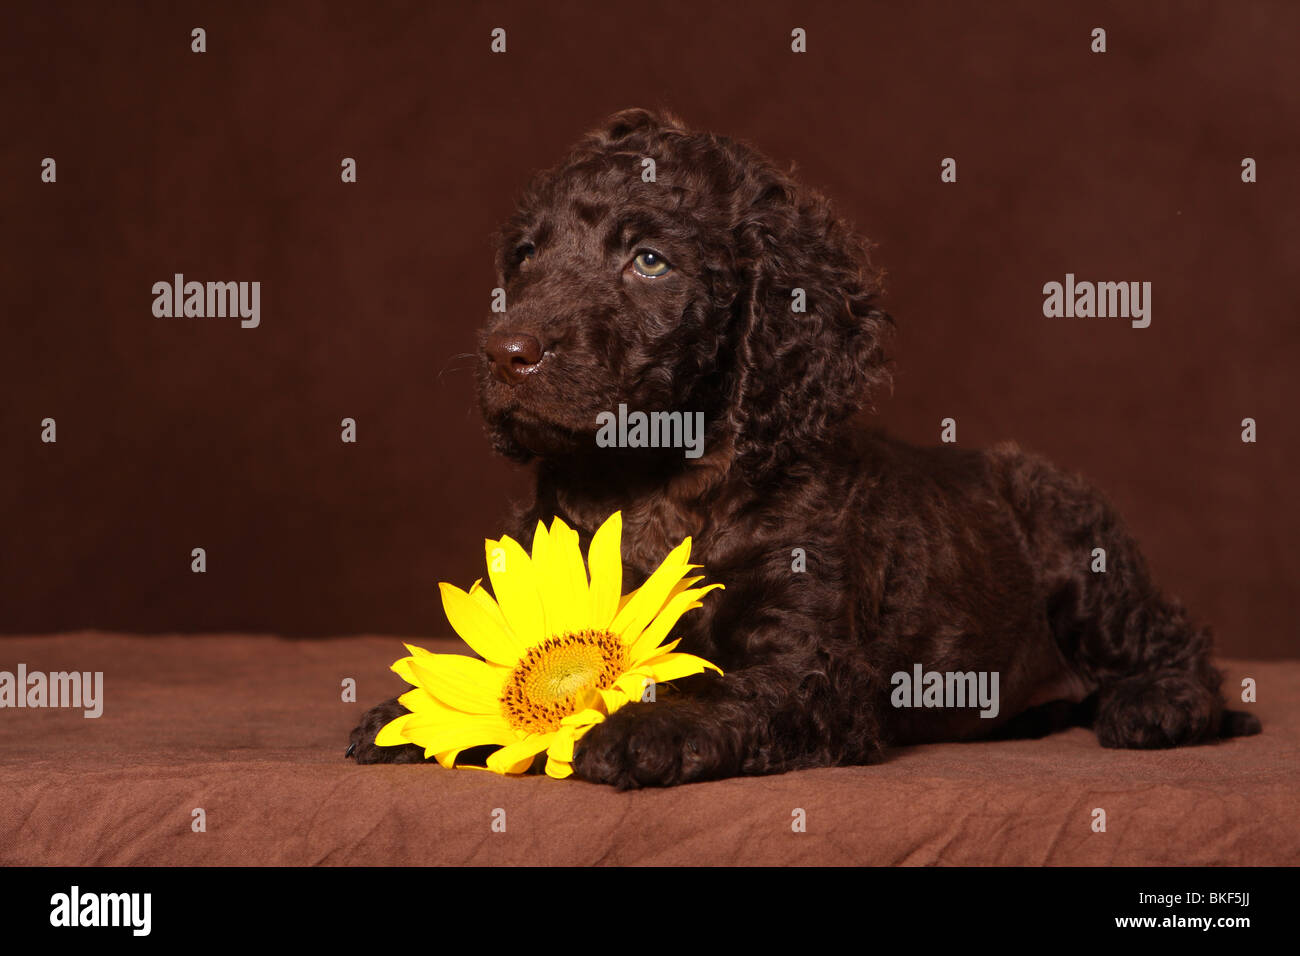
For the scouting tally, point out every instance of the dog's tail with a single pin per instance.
(1238, 723)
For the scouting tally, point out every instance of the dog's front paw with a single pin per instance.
(363, 748)
(648, 745)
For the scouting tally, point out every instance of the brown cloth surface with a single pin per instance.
(252, 730)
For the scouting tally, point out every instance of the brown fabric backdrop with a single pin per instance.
(183, 433)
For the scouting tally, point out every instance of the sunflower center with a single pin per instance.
(558, 677)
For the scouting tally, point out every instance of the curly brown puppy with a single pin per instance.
(856, 567)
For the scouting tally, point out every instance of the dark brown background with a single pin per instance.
(179, 433)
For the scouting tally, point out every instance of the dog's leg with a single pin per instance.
(1161, 689)
(1150, 663)
(761, 719)
(362, 747)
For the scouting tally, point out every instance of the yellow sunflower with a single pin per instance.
(560, 651)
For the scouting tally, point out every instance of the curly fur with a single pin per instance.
(955, 559)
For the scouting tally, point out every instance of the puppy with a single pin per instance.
(721, 286)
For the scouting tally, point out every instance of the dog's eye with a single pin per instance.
(524, 251)
(650, 264)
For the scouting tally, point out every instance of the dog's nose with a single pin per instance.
(514, 355)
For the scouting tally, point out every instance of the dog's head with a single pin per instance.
(669, 270)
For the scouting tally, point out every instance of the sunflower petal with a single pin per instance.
(567, 736)
(673, 666)
(561, 748)
(541, 538)
(563, 581)
(420, 701)
(419, 652)
(558, 770)
(517, 588)
(583, 718)
(614, 698)
(574, 571)
(418, 697)
(605, 563)
(484, 600)
(445, 737)
(633, 683)
(402, 668)
(518, 756)
(390, 735)
(477, 627)
(646, 600)
(646, 644)
(683, 585)
(460, 682)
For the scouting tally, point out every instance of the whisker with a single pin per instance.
(449, 367)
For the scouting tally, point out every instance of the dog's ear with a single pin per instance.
(811, 340)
